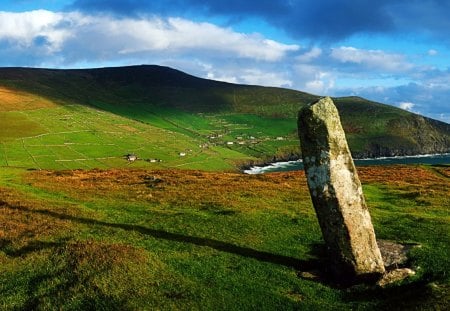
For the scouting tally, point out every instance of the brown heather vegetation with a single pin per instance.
(13, 100)
(426, 186)
(177, 187)
(170, 190)
(20, 223)
(404, 175)
(171, 186)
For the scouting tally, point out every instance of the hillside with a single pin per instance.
(92, 117)
(139, 239)
(83, 228)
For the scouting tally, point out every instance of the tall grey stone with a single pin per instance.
(337, 194)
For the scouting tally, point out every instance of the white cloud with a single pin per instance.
(432, 52)
(375, 59)
(243, 73)
(106, 37)
(267, 78)
(406, 106)
(177, 34)
(310, 55)
(23, 30)
(230, 79)
(314, 79)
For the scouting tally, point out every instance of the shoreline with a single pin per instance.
(261, 169)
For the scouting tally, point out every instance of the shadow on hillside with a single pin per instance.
(109, 88)
(298, 264)
(6, 246)
(415, 295)
(410, 295)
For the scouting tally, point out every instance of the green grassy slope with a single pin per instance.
(75, 136)
(138, 239)
(220, 124)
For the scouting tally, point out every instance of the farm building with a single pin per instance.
(131, 157)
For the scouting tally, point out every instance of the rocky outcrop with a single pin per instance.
(336, 193)
(410, 135)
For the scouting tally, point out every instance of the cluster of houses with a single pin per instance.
(153, 160)
(240, 140)
(184, 153)
(250, 140)
(131, 157)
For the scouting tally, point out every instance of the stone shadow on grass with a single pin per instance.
(33, 246)
(412, 295)
(316, 269)
(298, 264)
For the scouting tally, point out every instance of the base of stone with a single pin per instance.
(396, 262)
(394, 254)
(395, 258)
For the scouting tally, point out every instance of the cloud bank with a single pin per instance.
(392, 51)
(105, 37)
(320, 19)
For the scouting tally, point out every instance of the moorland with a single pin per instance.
(83, 228)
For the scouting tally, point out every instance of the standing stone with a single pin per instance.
(337, 194)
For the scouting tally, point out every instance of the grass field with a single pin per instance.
(138, 104)
(122, 239)
(76, 136)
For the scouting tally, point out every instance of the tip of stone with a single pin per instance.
(324, 99)
(321, 104)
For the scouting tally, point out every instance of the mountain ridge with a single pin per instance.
(148, 92)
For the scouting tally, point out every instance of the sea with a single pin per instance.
(432, 159)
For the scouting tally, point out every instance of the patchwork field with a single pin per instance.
(75, 136)
(172, 239)
(149, 110)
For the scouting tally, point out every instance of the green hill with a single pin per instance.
(159, 237)
(93, 117)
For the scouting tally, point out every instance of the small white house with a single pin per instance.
(230, 143)
(131, 157)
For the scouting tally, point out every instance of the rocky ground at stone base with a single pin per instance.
(395, 258)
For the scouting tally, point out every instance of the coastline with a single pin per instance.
(273, 166)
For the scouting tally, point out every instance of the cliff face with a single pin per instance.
(410, 135)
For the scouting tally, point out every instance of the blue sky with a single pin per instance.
(396, 52)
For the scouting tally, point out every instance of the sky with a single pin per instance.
(392, 51)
